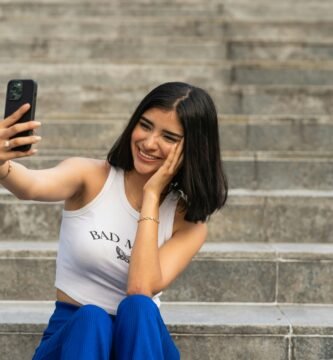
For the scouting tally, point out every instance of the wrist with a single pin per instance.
(4, 173)
(151, 195)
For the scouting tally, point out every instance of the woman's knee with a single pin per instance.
(92, 315)
(137, 302)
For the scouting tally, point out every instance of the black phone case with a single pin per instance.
(29, 95)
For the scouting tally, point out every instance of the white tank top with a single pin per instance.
(96, 242)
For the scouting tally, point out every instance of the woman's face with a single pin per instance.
(153, 138)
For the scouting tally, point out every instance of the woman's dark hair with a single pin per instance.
(201, 177)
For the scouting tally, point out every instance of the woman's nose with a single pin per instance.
(151, 141)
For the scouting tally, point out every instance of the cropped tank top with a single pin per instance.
(96, 242)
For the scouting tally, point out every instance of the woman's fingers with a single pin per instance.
(13, 118)
(27, 140)
(7, 146)
(18, 128)
(19, 154)
(10, 155)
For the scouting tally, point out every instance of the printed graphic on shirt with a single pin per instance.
(122, 255)
(113, 237)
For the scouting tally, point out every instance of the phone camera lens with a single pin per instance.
(15, 90)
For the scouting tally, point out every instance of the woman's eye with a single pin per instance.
(170, 139)
(144, 125)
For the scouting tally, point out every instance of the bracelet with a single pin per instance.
(9, 168)
(148, 218)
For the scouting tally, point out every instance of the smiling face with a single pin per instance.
(153, 138)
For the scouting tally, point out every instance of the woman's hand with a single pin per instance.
(9, 128)
(158, 182)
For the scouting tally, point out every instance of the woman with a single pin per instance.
(130, 224)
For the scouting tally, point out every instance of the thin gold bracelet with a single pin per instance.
(148, 218)
(9, 168)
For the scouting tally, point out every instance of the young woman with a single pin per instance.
(130, 224)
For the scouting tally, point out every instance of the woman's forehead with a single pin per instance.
(166, 119)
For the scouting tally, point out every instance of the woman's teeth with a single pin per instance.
(147, 156)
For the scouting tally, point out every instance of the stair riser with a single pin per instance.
(105, 75)
(222, 280)
(283, 11)
(115, 26)
(133, 50)
(280, 174)
(251, 50)
(196, 347)
(101, 99)
(160, 25)
(106, 10)
(244, 75)
(249, 173)
(192, 347)
(95, 135)
(251, 219)
(112, 78)
(274, 219)
(277, 30)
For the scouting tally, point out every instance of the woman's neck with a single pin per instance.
(134, 184)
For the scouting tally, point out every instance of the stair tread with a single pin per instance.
(213, 251)
(198, 318)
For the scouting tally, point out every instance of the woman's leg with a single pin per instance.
(76, 333)
(140, 332)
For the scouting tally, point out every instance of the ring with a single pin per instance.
(7, 144)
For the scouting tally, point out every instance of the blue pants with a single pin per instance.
(89, 332)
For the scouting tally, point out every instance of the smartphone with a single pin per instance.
(20, 92)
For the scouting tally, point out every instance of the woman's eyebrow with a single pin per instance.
(165, 131)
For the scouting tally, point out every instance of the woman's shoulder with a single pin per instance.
(94, 173)
(89, 168)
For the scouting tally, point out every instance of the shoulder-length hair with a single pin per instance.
(201, 179)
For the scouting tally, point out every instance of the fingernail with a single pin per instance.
(34, 151)
(38, 137)
(37, 123)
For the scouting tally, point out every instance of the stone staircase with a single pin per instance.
(260, 288)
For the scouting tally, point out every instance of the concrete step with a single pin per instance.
(274, 29)
(116, 26)
(284, 10)
(271, 216)
(250, 170)
(124, 89)
(225, 272)
(116, 49)
(120, 76)
(104, 9)
(151, 49)
(274, 216)
(214, 27)
(239, 10)
(237, 132)
(280, 50)
(283, 73)
(201, 331)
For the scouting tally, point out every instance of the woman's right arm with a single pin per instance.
(55, 184)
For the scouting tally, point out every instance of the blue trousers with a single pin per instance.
(88, 332)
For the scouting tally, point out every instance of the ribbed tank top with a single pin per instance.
(96, 242)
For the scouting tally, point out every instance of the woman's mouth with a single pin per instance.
(146, 156)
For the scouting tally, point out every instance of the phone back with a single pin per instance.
(20, 92)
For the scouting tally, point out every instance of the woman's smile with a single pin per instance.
(146, 157)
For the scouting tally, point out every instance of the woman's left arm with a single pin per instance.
(151, 268)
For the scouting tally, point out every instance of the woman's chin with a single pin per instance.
(145, 169)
